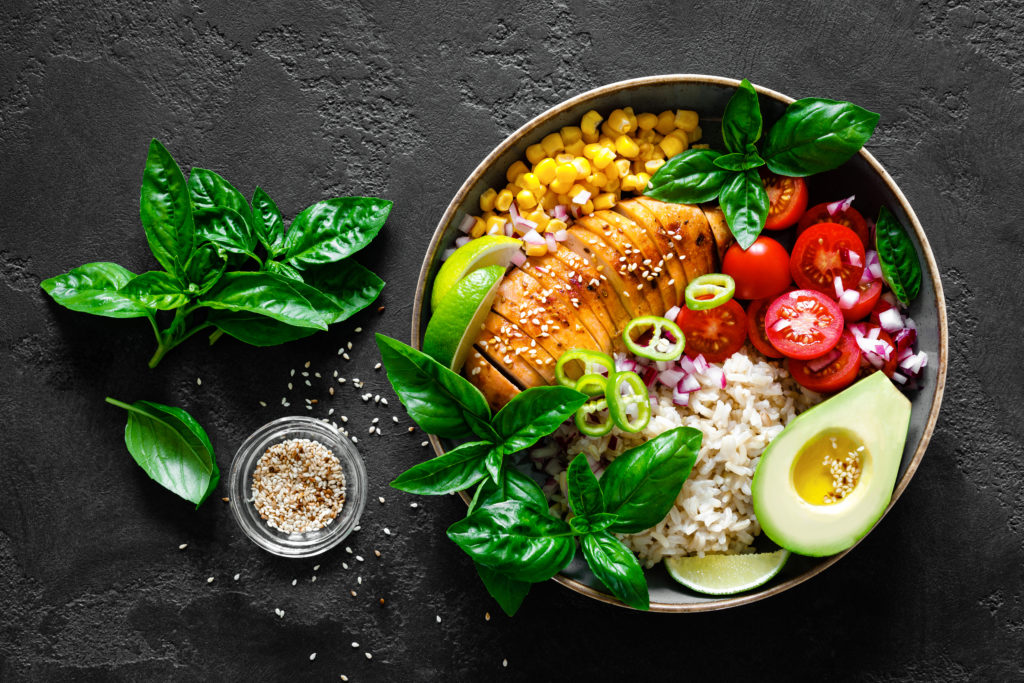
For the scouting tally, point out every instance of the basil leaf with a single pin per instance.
(616, 567)
(591, 524)
(515, 539)
(267, 222)
(739, 162)
(256, 329)
(744, 202)
(436, 398)
(204, 268)
(334, 229)
(166, 210)
(493, 463)
(156, 289)
(585, 497)
(516, 486)
(508, 592)
(535, 413)
(171, 447)
(350, 286)
(225, 228)
(457, 469)
(641, 485)
(271, 295)
(690, 177)
(94, 288)
(741, 121)
(210, 191)
(284, 270)
(901, 267)
(816, 135)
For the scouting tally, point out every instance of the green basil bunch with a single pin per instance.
(812, 136)
(508, 530)
(208, 239)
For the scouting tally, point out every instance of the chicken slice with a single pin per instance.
(585, 267)
(653, 262)
(606, 262)
(584, 297)
(720, 230)
(508, 340)
(640, 214)
(630, 261)
(507, 357)
(560, 294)
(690, 232)
(495, 387)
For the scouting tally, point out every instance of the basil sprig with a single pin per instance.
(901, 267)
(203, 232)
(812, 136)
(509, 532)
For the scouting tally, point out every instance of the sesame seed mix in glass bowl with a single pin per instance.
(298, 487)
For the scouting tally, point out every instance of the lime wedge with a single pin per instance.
(489, 250)
(726, 574)
(456, 323)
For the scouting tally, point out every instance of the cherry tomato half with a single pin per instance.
(850, 218)
(803, 324)
(869, 295)
(885, 302)
(787, 199)
(834, 376)
(760, 271)
(821, 254)
(755, 327)
(716, 333)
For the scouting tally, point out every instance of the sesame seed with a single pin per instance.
(353, 593)
(387, 531)
(359, 558)
(377, 366)
(305, 374)
(375, 420)
(312, 657)
(312, 579)
(358, 330)
(376, 553)
(504, 663)
(292, 373)
(359, 580)
(182, 546)
(355, 440)
(438, 617)
(369, 656)
(308, 384)
(345, 356)
(414, 505)
(209, 580)
(487, 616)
(381, 499)
(199, 381)
(383, 401)
(344, 565)
(237, 576)
(355, 644)
(263, 404)
(394, 418)
(294, 581)
(348, 549)
(425, 444)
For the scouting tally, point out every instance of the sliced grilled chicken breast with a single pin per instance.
(640, 214)
(495, 387)
(508, 356)
(630, 260)
(720, 230)
(586, 266)
(560, 294)
(691, 233)
(653, 263)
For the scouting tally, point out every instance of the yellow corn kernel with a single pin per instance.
(666, 122)
(603, 158)
(626, 146)
(646, 122)
(604, 201)
(653, 165)
(545, 170)
(576, 148)
(536, 249)
(619, 122)
(514, 170)
(487, 214)
(495, 225)
(657, 152)
(549, 201)
(645, 150)
(590, 151)
(609, 132)
(528, 181)
(540, 191)
(642, 180)
(487, 199)
(588, 207)
(571, 134)
(575, 190)
(694, 135)
(628, 182)
(622, 166)
(591, 137)
(582, 167)
(560, 187)
(566, 172)
(478, 229)
(554, 225)
(526, 200)
(612, 185)
(648, 136)
(564, 158)
(534, 153)
(631, 117)
(588, 125)
(552, 144)
(503, 200)
(671, 146)
(686, 119)
(597, 179)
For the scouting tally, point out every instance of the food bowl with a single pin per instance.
(240, 484)
(874, 187)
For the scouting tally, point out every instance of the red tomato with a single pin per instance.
(760, 271)
(886, 366)
(818, 258)
(755, 328)
(717, 333)
(869, 296)
(834, 376)
(850, 218)
(803, 324)
(787, 199)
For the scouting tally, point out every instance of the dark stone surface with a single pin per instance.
(401, 101)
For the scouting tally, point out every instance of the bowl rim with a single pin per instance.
(933, 270)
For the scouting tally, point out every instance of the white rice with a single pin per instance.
(714, 512)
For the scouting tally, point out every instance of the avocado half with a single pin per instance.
(873, 412)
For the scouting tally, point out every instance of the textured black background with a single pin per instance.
(401, 101)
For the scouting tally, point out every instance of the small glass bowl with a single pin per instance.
(293, 544)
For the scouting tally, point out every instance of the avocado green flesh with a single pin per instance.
(874, 412)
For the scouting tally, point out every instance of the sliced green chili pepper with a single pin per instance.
(589, 410)
(666, 341)
(594, 363)
(592, 385)
(709, 291)
(619, 404)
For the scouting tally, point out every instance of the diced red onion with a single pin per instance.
(898, 378)
(841, 205)
(650, 374)
(909, 323)
(780, 325)
(700, 363)
(872, 333)
(687, 384)
(624, 363)
(520, 224)
(924, 358)
(518, 257)
(679, 399)
(671, 313)
(876, 271)
(561, 213)
(874, 359)
(890, 320)
(817, 364)
(533, 237)
(508, 229)
(687, 365)
(838, 284)
(447, 254)
(461, 241)
(904, 354)
(891, 298)
(582, 197)
(853, 258)
(561, 235)
(467, 224)
(662, 365)
(576, 210)
(671, 378)
(858, 329)
(552, 244)
(849, 299)
(715, 375)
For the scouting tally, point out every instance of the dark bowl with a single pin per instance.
(708, 95)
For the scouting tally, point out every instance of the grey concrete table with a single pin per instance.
(401, 101)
